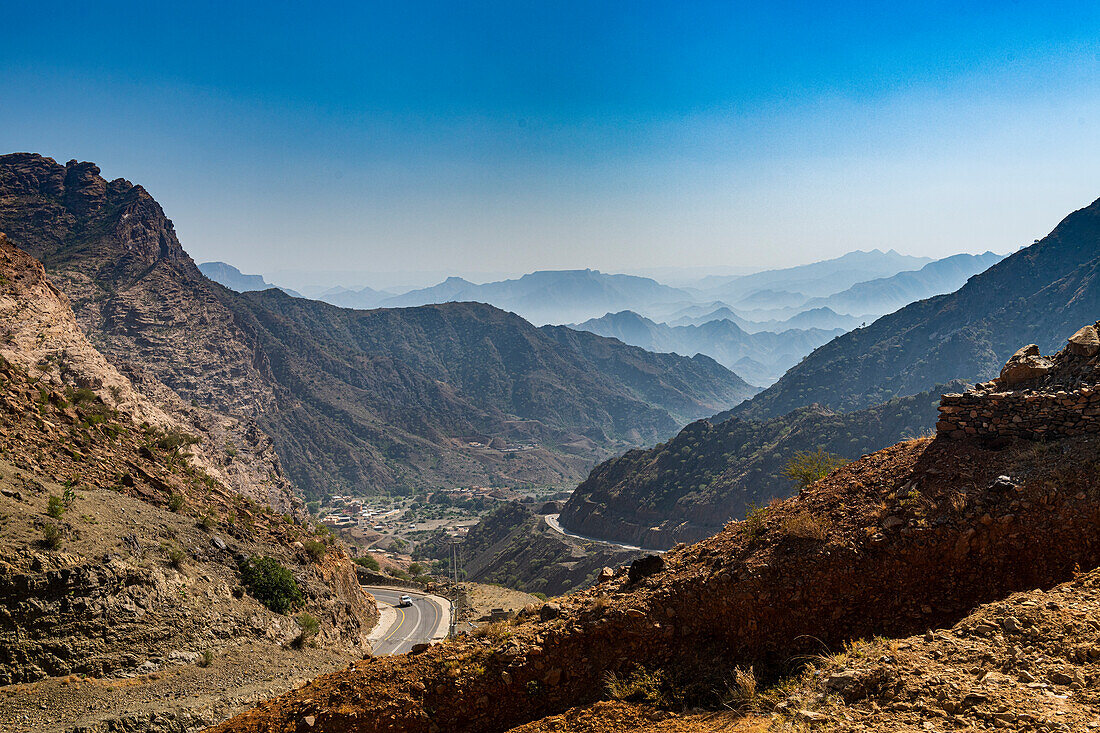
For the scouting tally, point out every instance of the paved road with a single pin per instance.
(419, 623)
(552, 522)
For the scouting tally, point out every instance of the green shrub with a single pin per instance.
(205, 658)
(52, 536)
(805, 467)
(309, 626)
(175, 501)
(270, 583)
(316, 549)
(175, 440)
(368, 562)
(55, 506)
(753, 525)
(207, 520)
(416, 569)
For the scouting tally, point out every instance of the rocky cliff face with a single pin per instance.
(41, 335)
(352, 400)
(121, 537)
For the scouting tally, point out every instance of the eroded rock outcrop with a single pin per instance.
(1035, 396)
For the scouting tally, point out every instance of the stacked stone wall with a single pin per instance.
(1029, 415)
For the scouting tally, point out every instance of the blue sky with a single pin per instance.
(494, 137)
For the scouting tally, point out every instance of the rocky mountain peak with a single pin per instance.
(60, 214)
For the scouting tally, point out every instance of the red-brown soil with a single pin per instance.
(910, 538)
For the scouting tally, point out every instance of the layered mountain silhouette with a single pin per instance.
(352, 400)
(232, 278)
(887, 294)
(774, 288)
(760, 357)
(550, 296)
(1041, 294)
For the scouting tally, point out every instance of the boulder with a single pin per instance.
(549, 611)
(1085, 342)
(645, 566)
(1025, 365)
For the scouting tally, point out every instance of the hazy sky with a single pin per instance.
(513, 136)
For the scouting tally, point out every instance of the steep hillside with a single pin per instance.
(352, 400)
(41, 335)
(389, 397)
(1042, 293)
(514, 547)
(123, 545)
(905, 540)
(717, 470)
(723, 340)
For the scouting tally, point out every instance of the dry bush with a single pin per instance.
(494, 632)
(641, 686)
(741, 690)
(601, 603)
(806, 526)
(754, 523)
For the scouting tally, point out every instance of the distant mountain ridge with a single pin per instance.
(353, 400)
(886, 295)
(760, 357)
(1042, 293)
(548, 296)
(232, 278)
(816, 278)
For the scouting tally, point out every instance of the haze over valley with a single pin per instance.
(549, 368)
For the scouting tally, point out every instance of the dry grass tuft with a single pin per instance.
(806, 526)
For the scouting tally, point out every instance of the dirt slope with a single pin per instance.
(120, 547)
(906, 539)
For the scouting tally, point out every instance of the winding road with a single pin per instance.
(552, 523)
(428, 619)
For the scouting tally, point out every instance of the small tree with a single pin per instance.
(806, 468)
(270, 583)
(309, 626)
(368, 562)
(52, 536)
(55, 506)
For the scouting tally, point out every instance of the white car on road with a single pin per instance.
(405, 601)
